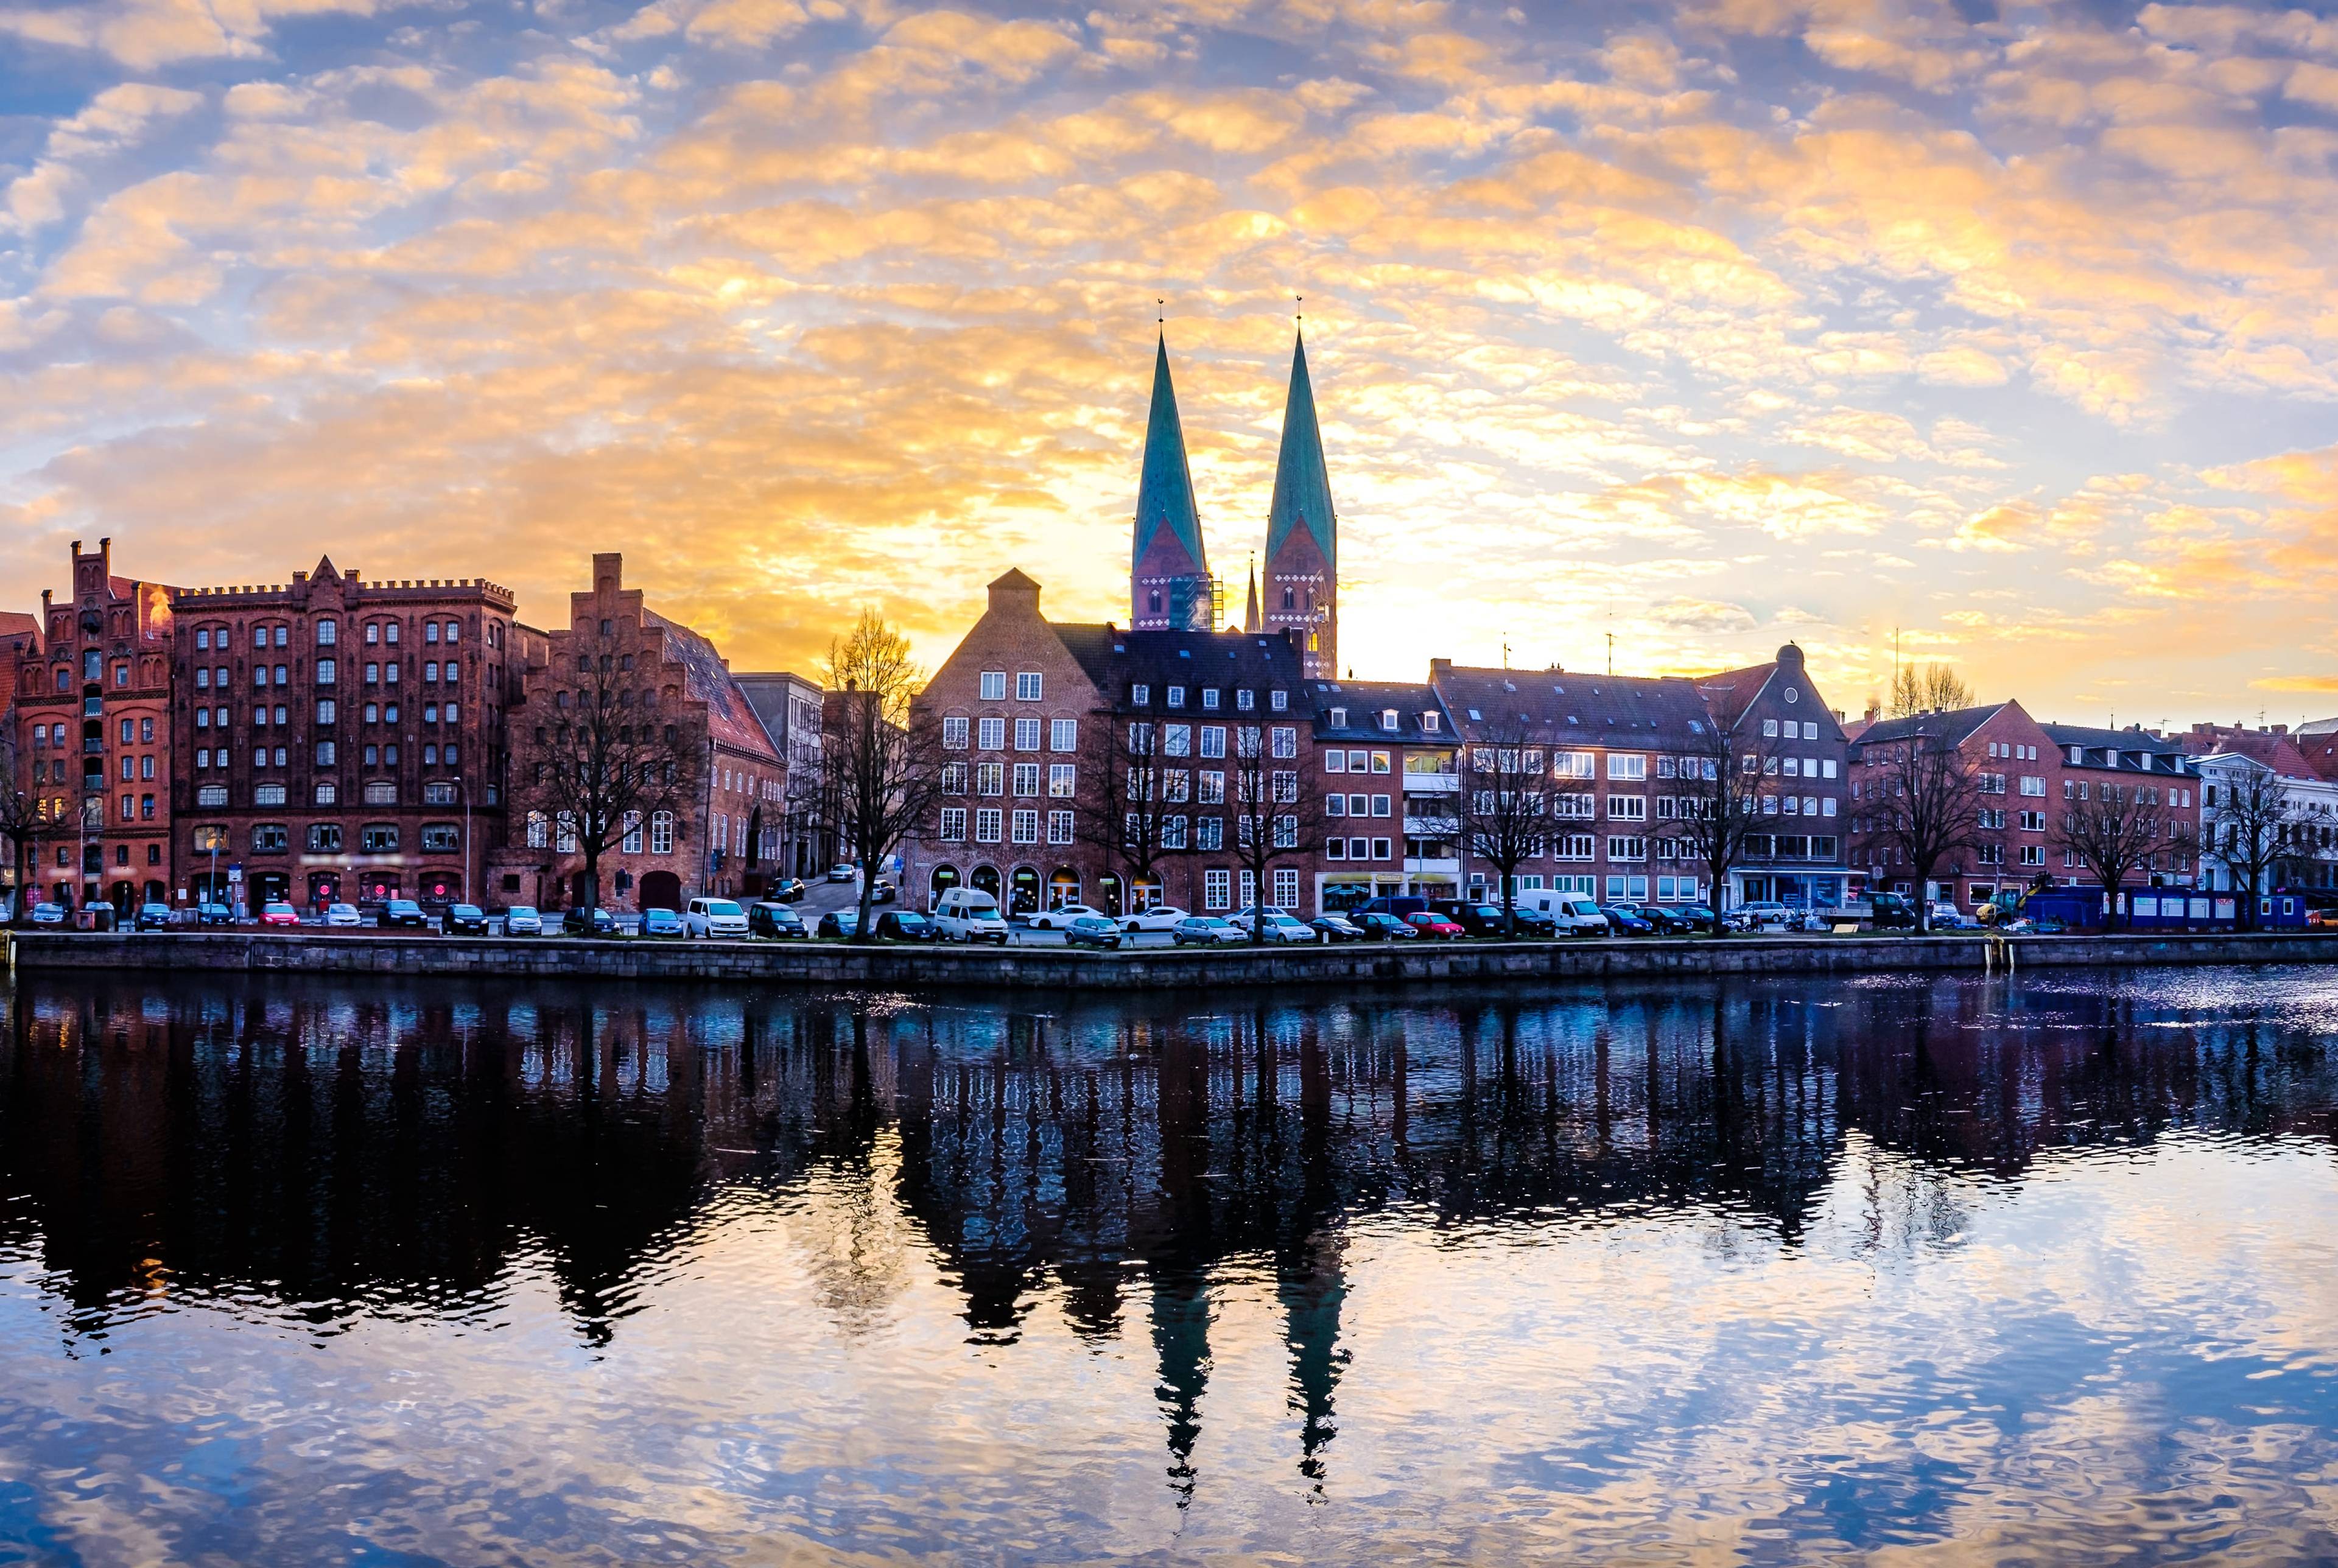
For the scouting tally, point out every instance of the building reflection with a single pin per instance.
(333, 1151)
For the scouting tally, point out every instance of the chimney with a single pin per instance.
(1874, 712)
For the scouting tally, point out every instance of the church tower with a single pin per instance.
(1169, 582)
(1300, 587)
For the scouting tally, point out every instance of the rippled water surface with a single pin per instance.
(316, 1273)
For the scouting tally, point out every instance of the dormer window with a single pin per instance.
(1339, 718)
(1209, 697)
(1140, 695)
(1429, 723)
(1176, 696)
(1387, 719)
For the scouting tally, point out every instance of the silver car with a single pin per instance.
(523, 920)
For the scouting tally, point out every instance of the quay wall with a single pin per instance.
(906, 967)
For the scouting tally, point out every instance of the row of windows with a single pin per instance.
(558, 832)
(1790, 729)
(278, 634)
(327, 792)
(1140, 695)
(326, 837)
(1358, 849)
(1177, 740)
(1020, 826)
(1355, 805)
(137, 731)
(990, 734)
(991, 779)
(1389, 719)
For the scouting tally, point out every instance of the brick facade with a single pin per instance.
(339, 739)
(93, 712)
(721, 834)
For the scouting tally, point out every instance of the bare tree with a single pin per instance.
(1276, 809)
(2252, 813)
(1932, 688)
(1924, 803)
(19, 809)
(1147, 805)
(1501, 813)
(881, 755)
(1724, 773)
(603, 765)
(2113, 829)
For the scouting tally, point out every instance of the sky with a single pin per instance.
(2005, 334)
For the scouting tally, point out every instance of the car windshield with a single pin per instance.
(402, 905)
(467, 911)
(721, 906)
(517, 910)
(278, 908)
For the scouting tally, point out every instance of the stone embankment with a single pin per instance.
(907, 967)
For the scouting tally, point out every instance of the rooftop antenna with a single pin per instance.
(1506, 650)
(1611, 653)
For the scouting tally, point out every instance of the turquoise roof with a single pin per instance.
(1165, 493)
(1302, 485)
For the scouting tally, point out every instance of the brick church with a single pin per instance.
(1037, 717)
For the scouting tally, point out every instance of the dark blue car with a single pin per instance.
(1629, 922)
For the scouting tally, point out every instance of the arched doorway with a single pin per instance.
(324, 888)
(660, 891)
(377, 886)
(986, 880)
(156, 893)
(945, 878)
(440, 886)
(1109, 895)
(1064, 887)
(123, 898)
(1023, 897)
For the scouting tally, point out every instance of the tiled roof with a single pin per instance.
(2167, 755)
(730, 717)
(1114, 658)
(2276, 751)
(1559, 708)
(1364, 701)
(1951, 724)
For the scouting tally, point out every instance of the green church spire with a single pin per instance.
(1165, 493)
(1303, 485)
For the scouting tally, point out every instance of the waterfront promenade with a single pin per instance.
(914, 967)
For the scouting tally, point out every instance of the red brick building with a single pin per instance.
(339, 739)
(92, 720)
(720, 835)
(1384, 759)
(20, 643)
(1035, 718)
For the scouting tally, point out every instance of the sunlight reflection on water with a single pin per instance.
(301, 1273)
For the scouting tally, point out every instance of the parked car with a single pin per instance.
(906, 925)
(1669, 920)
(1061, 917)
(464, 919)
(588, 923)
(1476, 919)
(276, 912)
(1399, 905)
(48, 913)
(1379, 925)
(1160, 917)
(882, 891)
(153, 917)
(774, 920)
(1337, 928)
(1428, 923)
(714, 917)
(404, 914)
(841, 872)
(1092, 931)
(343, 915)
(1569, 913)
(206, 913)
(664, 922)
(1694, 917)
(1269, 923)
(519, 920)
(1624, 920)
(1207, 931)
(1892, 912)
(789, 890)
(969, 915)
(839, 924)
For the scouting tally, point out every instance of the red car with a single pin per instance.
(1433, 925)
(278, 915)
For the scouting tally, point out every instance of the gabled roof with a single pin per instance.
(1114, 658)
(1363, 701)
(1303, 485)
(1559, 708)
(2276, 751)
(730, 717)
(16, 624)
(1954, 725)
(2167, 756)
(1165, 490)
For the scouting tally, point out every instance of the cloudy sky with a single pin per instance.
(1711, 325)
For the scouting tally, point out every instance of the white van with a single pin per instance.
(714, 917)
(969, 915)
(1574, 914)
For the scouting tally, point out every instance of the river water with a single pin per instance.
(316, 1272)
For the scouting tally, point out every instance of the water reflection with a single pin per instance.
(328, 1156)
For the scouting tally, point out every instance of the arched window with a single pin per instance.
(539, 830)
(662, 833)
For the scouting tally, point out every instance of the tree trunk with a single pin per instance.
(863, 930)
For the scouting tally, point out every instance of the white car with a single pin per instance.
(343, 914)
(1161, 918)
(715, 917)
(1274, 924)
(844, 872)
(1061, 917)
